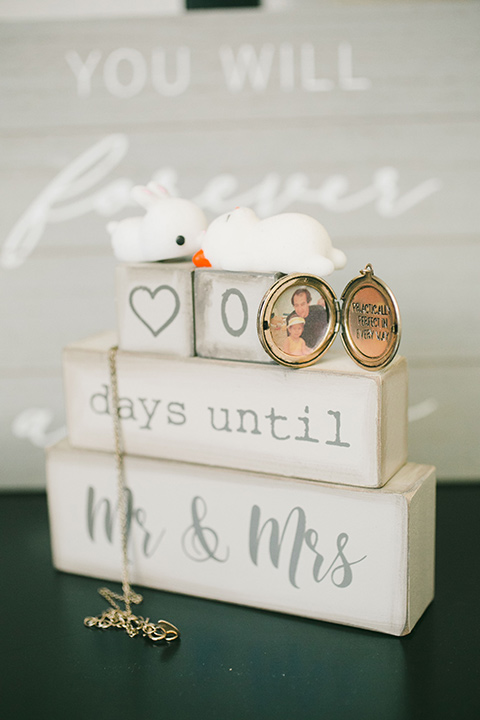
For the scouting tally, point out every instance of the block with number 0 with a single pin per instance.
(226, 307)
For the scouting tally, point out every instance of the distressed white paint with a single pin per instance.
(333, 421)
(155, 308)
(226, 307)
(208, 532)
(392, 171)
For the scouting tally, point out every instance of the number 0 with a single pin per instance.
(225, 298)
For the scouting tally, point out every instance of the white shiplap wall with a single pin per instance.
(365, 115)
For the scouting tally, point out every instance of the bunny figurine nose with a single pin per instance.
(199, 260)
(180, 240)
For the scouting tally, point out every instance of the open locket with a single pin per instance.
(300, 316)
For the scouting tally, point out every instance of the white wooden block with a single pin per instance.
(226, 307)
(155, 307)
(332, 421)
(345, 555)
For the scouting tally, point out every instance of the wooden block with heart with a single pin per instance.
(155, 308)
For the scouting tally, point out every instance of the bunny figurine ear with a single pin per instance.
(144, 196)
(158, 190)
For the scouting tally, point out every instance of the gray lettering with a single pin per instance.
(345, 567)
(306, 421)
(311, 540)
(126, 409)
(110, 513)
(273, 419)
(140, 517)
(103, 400)
(242, 414)
(337, 440)
(276, 539)
(92, 511)
(225, 425)
(236, 332)
(201, 543)
(181, 414)
(143, 402)
(340, 573)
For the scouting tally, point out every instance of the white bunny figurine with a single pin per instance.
(288, 243)
(170, 228)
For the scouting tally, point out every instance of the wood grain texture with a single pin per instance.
(329, 422)
(391, 167)
(272, 543)
(393, 183)
(226, 308)
(421, 533)
(428, 68)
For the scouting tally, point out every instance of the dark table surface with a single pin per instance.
(232, 662)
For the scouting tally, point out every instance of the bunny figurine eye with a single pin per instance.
(180, 240)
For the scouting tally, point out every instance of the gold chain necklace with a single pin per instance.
(114, 616)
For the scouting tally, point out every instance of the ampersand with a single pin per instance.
(201, 543)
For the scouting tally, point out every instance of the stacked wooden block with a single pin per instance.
(248, 482)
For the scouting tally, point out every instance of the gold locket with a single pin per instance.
(300, 316)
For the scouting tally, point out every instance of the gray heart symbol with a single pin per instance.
(153, 294)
